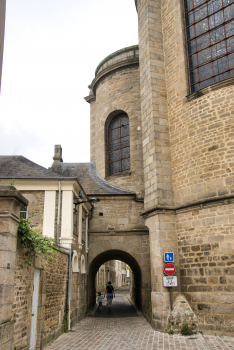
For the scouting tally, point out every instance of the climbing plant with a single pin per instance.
(35, 242)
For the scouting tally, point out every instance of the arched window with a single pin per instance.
(118, 145)
(75, 267)
(83, 269)
(210, 38)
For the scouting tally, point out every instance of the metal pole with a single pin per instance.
(171, 298)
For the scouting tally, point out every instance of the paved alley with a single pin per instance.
(111, 331)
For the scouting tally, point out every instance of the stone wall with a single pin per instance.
(206, 256)
(119, 90)
(201, 125)
(154, 114)
(22, 304)
(53, 298)
(35, 208)
(79, 288)
(51, 301)
(121, 231)
(120, 213)
(11, 201)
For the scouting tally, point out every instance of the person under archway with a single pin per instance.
(109, 295)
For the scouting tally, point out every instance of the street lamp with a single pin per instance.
(90, 201)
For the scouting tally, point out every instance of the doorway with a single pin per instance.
(34, 309)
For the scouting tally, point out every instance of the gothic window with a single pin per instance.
(118, 145)
(210, 39)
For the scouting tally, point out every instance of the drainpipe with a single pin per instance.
(70, 254)
(87, 283)
(59, 207)
(68, 286)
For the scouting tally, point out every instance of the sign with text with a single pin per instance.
(170, 281)
(168, 257)
(169, 269)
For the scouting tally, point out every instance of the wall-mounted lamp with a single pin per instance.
(91, 200)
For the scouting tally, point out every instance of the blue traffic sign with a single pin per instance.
(169, 257)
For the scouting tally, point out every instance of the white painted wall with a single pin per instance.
(67, 218)
(49, 214)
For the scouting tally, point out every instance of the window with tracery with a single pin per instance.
(118, 145)
(210, 39)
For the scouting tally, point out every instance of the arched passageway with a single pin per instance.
(116, 255)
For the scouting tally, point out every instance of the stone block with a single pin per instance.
(227, 298)
(6, 335)
(5, 313)
(221, 309)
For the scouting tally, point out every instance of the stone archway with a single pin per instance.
(116, 255)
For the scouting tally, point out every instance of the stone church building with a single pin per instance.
(162, 164)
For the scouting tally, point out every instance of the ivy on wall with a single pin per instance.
(35, 242)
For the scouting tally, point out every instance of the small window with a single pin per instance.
(75, 266)
(24, 213)
(83, 269)
(119, 145)
(210, 39)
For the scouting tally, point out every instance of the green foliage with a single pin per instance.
(35, 242)
(170, 331)
(185, 330)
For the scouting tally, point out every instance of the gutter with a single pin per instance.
(44, 178)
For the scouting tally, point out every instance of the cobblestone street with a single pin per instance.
(131, 333)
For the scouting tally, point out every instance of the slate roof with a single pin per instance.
(20, 167)
(91, 182)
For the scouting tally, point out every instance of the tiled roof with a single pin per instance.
(91, 182)
(21, 167)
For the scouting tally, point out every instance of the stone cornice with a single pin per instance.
(12, 193)
(131, 60)
(90, 98)
(6, 214)
(188, 207)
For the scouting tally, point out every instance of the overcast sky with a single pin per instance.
(52, 48)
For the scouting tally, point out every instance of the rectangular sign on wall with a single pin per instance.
(170, 281)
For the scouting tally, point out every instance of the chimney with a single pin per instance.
(57, 154)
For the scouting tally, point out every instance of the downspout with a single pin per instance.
(87, 276)
(69, 264)
(58, 218)
(68, 287)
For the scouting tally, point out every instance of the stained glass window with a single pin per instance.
(210, 39)
(118, 145)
